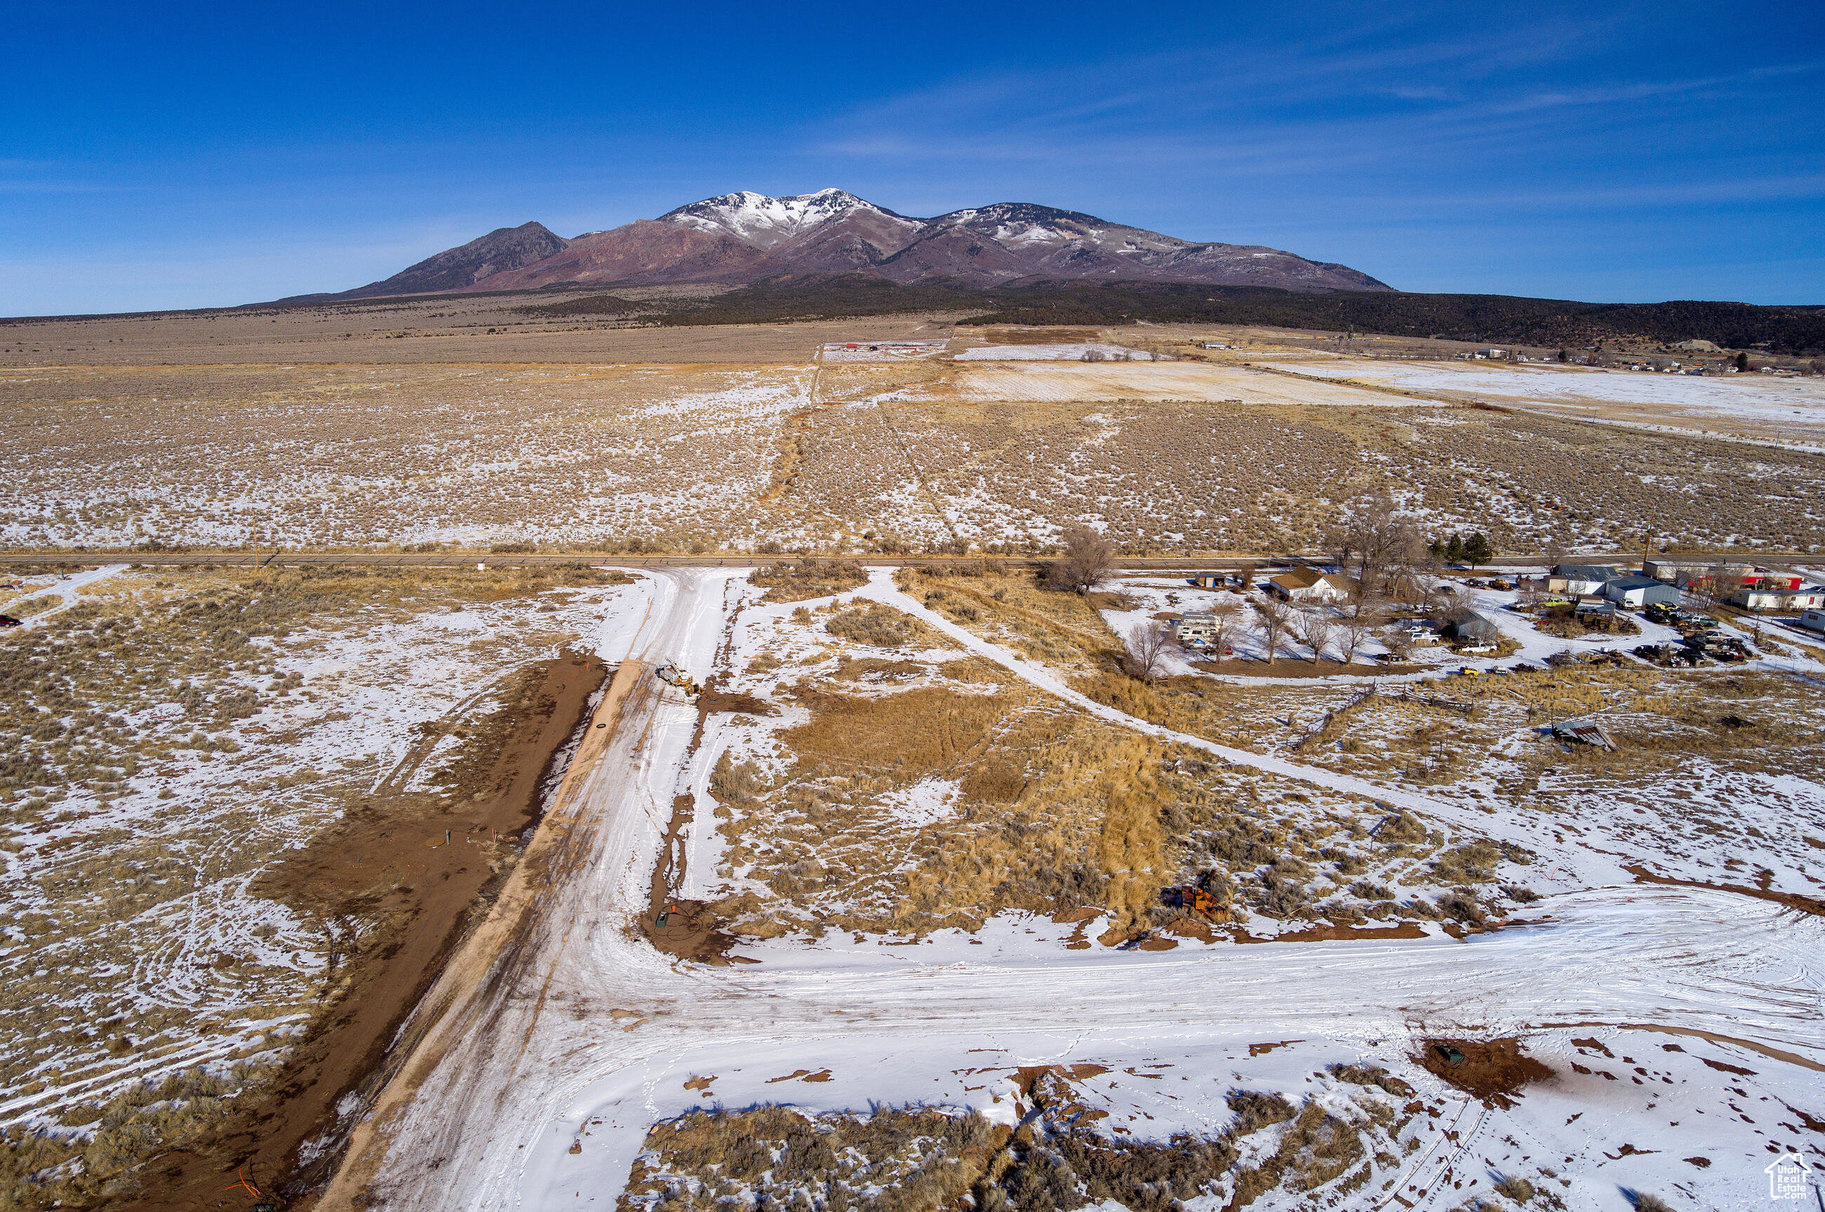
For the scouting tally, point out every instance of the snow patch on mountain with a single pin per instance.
(764, 221)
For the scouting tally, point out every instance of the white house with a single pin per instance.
(1580, 579)
(1806, 597)
(1309, 585)
(1812, 620)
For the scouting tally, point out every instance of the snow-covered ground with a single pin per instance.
(1791, 411)
(140, 905)
(1707, 1002)
(1089, 351)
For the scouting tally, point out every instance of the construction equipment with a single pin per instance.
(673, 674)
(1197, 898)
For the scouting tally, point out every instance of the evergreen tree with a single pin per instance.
(1477, 549)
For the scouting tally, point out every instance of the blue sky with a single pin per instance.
(187, 155)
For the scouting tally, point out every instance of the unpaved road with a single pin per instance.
(584, 1035)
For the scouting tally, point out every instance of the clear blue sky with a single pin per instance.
(184, 155)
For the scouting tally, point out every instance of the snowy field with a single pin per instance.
(908, 454)
(1788, 411)
(1679, 1023)
(211, 729)
(1089, 351)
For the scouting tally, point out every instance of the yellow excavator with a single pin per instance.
(673, 674)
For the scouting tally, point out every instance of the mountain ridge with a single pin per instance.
(744, 237)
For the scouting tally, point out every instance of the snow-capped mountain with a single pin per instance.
(745, 237)
(766, 222)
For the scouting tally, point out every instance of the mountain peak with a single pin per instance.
(763, 221)
(503, 249)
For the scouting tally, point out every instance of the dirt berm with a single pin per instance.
(440, 1018)
(386, 865)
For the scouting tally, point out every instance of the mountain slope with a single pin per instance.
(746, 237)
(501, 250)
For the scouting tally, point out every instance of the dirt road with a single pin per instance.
(584, 1034)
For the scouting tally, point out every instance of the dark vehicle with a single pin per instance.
(7, 620)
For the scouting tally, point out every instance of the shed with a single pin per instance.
(1635, 592)
(1584, 732)
(1467, 624)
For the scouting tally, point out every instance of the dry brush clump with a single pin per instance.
(1352, 1135)
(892, 1160)
(802, 580)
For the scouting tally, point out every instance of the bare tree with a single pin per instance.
(1399, 642)
(1223, 619)
(1313, 628)
(1380, 542)
(1358, 621)
(1148, 644)
(1274, 615)
(1247, 577)
(1087, 562)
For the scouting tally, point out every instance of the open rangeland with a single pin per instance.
(252, 429)
(416, 888)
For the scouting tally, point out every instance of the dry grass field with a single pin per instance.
(909, 788)
(466, 423)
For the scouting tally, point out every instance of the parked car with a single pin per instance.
(7, 620)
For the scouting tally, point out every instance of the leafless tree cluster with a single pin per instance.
(1312, 627)
(1356, 625)
(1148, 644)
(1379, 547)
(1087, 561)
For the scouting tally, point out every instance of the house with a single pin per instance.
(1196, 627)
(1806, 597)
(1468, 625)
(1209, 580)
(1712, 575)
(1309, 585)
(1636, 592)
(1580, 579)
(1485, 354)
(1812, 620)
(1762, 590)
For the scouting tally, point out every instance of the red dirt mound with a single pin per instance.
(1493, 1070)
